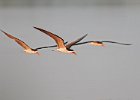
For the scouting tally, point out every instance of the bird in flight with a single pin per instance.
(27, 49)
(61, 47)
(100, 43)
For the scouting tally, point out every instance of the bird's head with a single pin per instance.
(37, 53)
(73, 52)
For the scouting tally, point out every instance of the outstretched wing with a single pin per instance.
(80, 43)
(116, 42)
(100, 43)
(58, 40)
(20, 42)
(48, 46)
(74, 42)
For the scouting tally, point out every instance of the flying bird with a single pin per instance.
(61, 47)
(27, 48)
(100, 43)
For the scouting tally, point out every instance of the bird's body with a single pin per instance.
(65, 50)
(97, 43)
(30, 51)
(61, 47)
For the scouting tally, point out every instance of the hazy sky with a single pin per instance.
(96, 73)
(30, 3)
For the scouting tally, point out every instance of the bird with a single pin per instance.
(100, 43)
(61, 47)
(27, 49)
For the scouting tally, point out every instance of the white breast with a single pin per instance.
(30, 51)
(63, 50)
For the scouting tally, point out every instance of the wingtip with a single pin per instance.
(35, 27)
(129, 44)
(86, 34)
(2, 30)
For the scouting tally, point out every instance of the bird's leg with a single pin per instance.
(74, 53)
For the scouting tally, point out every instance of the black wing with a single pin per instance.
(20, 42)
(47, 46)
(101, 42)
(116, 42)
(58, 40)
(74, 42)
